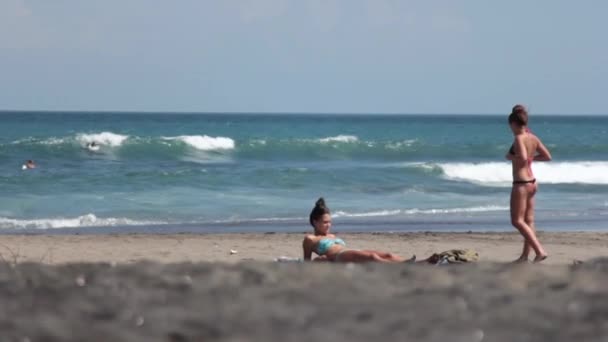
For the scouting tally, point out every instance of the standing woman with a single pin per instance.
(526, 148)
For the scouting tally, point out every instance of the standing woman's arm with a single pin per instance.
(520, 149)
(543, 153)
(511, 153)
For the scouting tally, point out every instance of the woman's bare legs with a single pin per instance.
(529, 218)
(387, 256)
(521, 214)
(366, 256)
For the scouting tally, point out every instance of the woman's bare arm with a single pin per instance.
(521, 153)
(322, 258)
(543, 153)
(307, 246)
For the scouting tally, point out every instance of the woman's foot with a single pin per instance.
(521, 260)
(540, 258)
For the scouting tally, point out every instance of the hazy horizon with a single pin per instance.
(317, 56)
(128, 112)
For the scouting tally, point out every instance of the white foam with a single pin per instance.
(480, 209)
(400, 144)
(340, 139)
(256, 142)
(499, 174)
(368, 214)
(32, 140)
(415, 211)
(103, 138)
(53, 141)
(88, 220)
(204, 142)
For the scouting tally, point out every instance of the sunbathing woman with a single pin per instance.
(525, 149)
(331, 248)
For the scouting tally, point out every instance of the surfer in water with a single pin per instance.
(93, 146)
(526, 148)
(29, 165)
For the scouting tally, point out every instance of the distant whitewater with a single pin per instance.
(179, 172)
(499, 174)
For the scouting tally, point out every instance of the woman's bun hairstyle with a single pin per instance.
(519, 115)
(318, 211)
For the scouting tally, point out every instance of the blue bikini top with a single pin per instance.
(325, 244)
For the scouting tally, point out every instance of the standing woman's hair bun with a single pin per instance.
(318, 211)
(519, 115)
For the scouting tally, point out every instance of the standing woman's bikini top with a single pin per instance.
(512, 149)
(325, 244)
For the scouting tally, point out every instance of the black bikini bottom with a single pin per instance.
(525, 182)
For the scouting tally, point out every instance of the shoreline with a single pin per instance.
(563, 247)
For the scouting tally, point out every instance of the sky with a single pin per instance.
(305, 56)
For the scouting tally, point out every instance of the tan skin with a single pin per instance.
(321, 231)
(522, 195)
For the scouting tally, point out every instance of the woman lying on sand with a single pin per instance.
(525, 149)
(331, 248)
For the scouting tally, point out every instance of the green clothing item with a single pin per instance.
(454, 256)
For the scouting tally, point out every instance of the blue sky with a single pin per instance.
(337, 56)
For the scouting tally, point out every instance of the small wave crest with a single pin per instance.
(499, 174)
(88, 220)
(204, 142)
(103, 138)
(416, 211)
(339, 139)
(398, 145)
(34, 141)
(368, 214)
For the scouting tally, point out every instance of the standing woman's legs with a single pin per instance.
(519, 202)
(529, 218)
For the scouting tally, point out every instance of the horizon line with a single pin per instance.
(155, 112)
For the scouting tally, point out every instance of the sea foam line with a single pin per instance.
(204, 142)
(415, 211)
(103, 138)
(340, 139)
(499, 174)
(88, 220)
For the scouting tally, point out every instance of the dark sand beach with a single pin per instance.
(265, 301)
(135, 288)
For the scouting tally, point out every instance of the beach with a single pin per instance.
(563, 247)
(170, 230)
(186, 287)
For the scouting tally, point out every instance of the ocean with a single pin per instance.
(167, 173)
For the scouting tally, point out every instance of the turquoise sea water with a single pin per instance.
(255, 172)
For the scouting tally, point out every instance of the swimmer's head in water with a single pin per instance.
(518, 116)
(320, 217)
